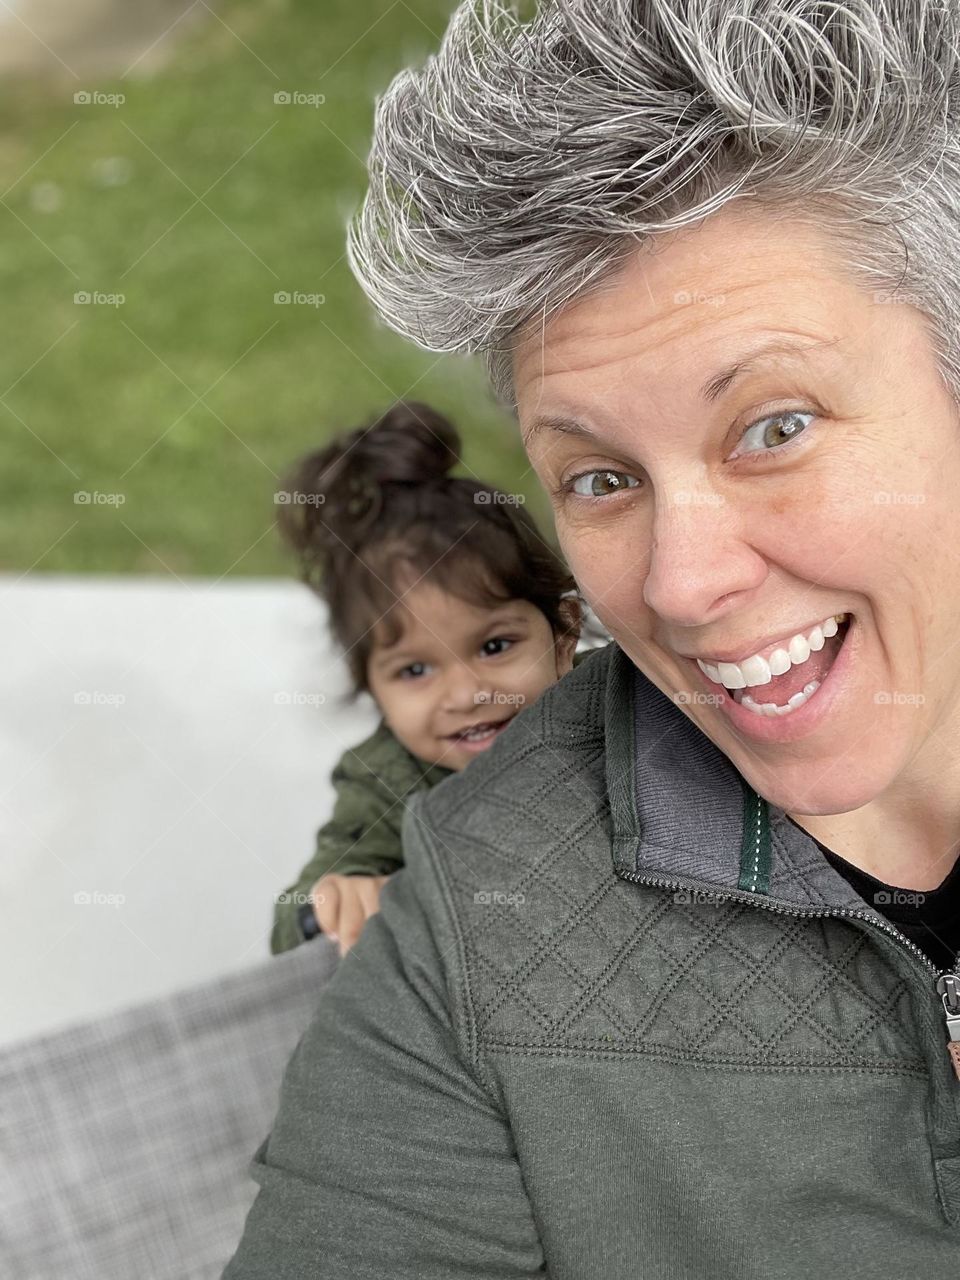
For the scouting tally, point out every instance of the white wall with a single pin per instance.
(144, 754)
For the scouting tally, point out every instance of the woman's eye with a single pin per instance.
(497, 640)
(768, 434)
(600, 484)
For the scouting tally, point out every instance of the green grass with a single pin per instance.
(104, 398)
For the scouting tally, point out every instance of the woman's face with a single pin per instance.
(719, 516)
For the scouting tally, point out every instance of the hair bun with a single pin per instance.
(410, 443)
(337, 492)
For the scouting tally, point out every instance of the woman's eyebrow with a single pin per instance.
(711, 391)
(718, 383)
(544, 422)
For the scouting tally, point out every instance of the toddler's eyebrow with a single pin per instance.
(511, 619)
(504, 620)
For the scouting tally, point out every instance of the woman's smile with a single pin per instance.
(794, 701)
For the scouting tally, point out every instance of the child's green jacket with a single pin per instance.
(372, 783)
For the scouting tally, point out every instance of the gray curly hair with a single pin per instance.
(526, 160)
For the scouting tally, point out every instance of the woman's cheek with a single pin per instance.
(606, 570)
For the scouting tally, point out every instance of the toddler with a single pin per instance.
(452, 612)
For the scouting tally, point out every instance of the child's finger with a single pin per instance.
(370, 894)
(352, 917)
(326, 903)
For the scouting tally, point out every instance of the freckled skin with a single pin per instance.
(460, 669)
(724, 538)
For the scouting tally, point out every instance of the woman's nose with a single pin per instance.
(699, 557)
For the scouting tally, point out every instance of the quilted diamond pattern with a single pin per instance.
(561, 953)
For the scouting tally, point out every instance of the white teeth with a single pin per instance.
(757, 670)
(480, 731)
(772, 709)
(798, 650)
(730, 675)
(780, 662)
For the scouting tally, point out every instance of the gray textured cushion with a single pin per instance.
(127, 1141)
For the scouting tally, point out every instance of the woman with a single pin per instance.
(662, 988)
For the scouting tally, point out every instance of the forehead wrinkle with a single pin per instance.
(752, 358)
(579, 314)
(679, 335)
(753, 339)
(678, 329)
(691, 259)
(678, 324)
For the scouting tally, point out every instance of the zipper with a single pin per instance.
(948, 985)
(947, 980)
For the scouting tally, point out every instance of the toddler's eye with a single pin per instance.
(769, 438)
(498, 640)
(410, 667)
(586, 484)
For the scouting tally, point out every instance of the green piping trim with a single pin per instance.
(755, 849)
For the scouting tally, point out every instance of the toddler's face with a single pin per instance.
(458, 666)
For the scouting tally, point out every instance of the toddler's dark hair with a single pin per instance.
(377, 507)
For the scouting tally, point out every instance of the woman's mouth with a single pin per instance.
(782, 693)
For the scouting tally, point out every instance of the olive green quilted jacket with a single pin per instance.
(616, 1018)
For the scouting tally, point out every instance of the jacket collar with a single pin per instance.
(681, 812)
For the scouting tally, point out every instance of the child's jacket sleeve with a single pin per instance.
(372, 783)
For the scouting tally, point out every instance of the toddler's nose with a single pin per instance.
(466, 689)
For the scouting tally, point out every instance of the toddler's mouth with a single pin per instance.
(483, 732)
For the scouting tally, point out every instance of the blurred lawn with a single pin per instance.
(106, 399)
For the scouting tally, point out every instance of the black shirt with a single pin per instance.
(930, 919)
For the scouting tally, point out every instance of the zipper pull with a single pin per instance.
(948, 988)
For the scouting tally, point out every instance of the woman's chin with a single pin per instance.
(823, 786)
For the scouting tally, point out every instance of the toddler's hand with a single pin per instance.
(343, 903)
